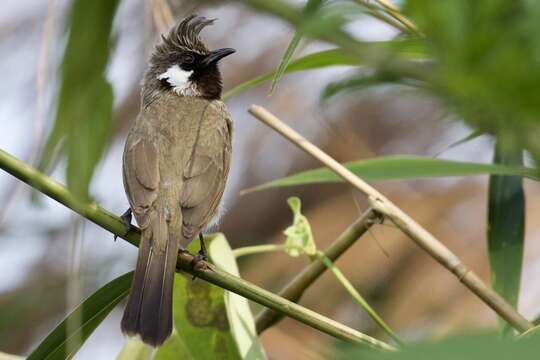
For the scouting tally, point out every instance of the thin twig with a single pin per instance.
(295, 289)
(417, 233)
(257, 249)
(112, 223)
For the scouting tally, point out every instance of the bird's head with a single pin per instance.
(182, 63)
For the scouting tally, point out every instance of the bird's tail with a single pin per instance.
(148, 313)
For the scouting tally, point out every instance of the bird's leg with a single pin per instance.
(202, 251)
(126, 220)
(198, 261)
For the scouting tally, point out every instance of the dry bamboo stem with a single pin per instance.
(417, 233)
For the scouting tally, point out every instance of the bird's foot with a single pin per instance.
(126, 220)
(198, 263)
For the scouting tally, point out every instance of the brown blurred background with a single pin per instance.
(50, 260)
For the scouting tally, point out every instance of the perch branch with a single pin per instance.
(112, 223)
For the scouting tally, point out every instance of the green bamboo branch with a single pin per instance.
(112, 223)
(294, 290)
(425, 240)
(259, 249)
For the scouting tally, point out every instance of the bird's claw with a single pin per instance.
(126, 220)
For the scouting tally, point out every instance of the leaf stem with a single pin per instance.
(257, 249)
(112, 223)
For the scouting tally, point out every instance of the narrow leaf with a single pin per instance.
(239, 313)
(477, 346)
(135, 349)
(311, 6)
(278, 73)
(90, 314)
(506, 229)
(209, 322)
(399, 167)
(84, 117)
(473, 135)
(359, 82)
(4, 356)
(334, 57)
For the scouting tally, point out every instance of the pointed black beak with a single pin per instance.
(217, 55)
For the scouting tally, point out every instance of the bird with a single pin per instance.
(175, 166)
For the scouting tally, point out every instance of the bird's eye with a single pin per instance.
(188, 59)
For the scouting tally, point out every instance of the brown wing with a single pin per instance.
(141, 176)
(206, 171)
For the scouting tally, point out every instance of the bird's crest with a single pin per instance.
(185, 36)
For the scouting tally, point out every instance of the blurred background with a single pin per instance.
(51, 259)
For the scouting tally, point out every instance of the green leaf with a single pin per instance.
(67, 338)
(399, 167)
(485, 64)
(310, 7)
(473, 135)
(334, 57)
(4, 356)
(506, 229)
(84, 117)
(135, 349)
(362, 81)
(238, 311)
(299, 236)
(210, 322)
(463, 347)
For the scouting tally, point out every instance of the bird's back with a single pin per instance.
(192, 137)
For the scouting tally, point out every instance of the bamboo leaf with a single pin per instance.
(506, 229)
(334, 57)
(84, 117)
(210, 322)
(4, 356)
(473, 135)
(361, 82)
(311, 6)
(239, 313)
(399, 167)
(67, 338)
(479, 346)
(135, 349)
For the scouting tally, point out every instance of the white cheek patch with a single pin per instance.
(178, 79)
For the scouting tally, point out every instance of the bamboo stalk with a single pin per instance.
(417, 233)
(294, 290)
(112, 223)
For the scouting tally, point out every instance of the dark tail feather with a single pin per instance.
(149, 309)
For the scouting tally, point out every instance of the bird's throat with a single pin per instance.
(179, 80)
